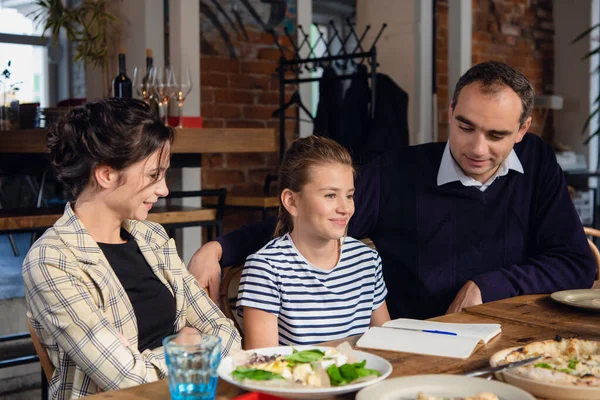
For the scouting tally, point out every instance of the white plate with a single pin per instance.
(408, 388)
(373, 362)
(540, 388)
(582, 298)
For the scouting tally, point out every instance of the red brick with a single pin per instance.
(269, 98)
(234, 96)
(223, 177)
(213, 123)
(442, 79)
(228, 111)
(244, 124)
(249, 82)
(259, 37)
(258, 112)
(258, 175)
(244, 160)
(259, 67)
(481, 36)
(212, 160)
(208, 110)
(211, 79)
(206, 95)
(249, 189)
(274, 54)
(219, 64)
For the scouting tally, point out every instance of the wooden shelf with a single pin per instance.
(187, 141)
(43, 218)
(246, 201)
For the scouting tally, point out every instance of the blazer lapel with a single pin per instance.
(91, 260)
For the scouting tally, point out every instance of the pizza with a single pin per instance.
(572, 362)
(478, 396)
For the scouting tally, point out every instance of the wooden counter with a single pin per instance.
(187, 141)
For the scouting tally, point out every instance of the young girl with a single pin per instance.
(311, 283)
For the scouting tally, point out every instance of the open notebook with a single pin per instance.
(445, 339)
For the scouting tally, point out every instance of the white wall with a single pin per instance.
(572, 78)
(404, 53)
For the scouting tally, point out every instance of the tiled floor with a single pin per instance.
(11, 281)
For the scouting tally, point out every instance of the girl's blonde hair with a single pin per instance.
(294, 172)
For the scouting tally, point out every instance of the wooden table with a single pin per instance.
(187, 141)
(520, 325)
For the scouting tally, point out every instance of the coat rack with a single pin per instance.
(295, 64)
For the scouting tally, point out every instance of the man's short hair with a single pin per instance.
(494, 76)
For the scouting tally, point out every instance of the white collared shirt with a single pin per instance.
(450, 171)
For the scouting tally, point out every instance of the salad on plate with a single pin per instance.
(315, 368)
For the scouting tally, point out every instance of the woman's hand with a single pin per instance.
(205, 267)
(123, 340)
(187, 330)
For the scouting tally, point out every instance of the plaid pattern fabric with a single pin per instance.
(77, 306)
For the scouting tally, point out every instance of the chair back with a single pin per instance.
(228, 296)
(42, 354)
(594, 233)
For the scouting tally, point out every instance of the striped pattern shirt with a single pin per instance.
(313, 305)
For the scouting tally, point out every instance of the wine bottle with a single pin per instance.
(122, 84)
(147, 82)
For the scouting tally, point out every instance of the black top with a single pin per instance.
(520, 236)
(153, 303)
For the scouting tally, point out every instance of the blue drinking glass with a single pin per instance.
(192, 362)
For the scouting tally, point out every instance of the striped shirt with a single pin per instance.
(313, 305)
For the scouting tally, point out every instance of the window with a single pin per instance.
(20, 44)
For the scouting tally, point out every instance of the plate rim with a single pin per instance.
(306, 391)
(560, 297)
(444, 376)
(504, 352)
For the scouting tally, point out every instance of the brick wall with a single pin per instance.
(517, 32)
(240, 89)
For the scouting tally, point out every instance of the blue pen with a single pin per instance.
(440, 332)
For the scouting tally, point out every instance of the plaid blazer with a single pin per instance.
(78, 306)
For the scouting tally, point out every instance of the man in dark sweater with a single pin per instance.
(483, 217)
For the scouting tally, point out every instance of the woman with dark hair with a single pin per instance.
(104, 286)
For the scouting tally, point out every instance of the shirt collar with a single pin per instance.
(450, 171)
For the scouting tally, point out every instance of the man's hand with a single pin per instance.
(204, 266)
(469, 295)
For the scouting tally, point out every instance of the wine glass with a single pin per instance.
(163, 85)
(182, 89)
(140, 83)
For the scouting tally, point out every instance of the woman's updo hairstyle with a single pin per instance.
(114, 132)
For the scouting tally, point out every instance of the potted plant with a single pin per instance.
(596, 102)
(91, 26)
(9, 108)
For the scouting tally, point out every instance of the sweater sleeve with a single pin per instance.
(561, 258)
(245, 241)
(366, 199)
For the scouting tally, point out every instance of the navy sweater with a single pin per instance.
(520, 236)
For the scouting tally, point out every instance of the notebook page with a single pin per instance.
(418, 342)
(483, 332)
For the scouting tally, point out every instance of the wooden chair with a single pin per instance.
(228, 296)
(594, 233)
(42, 354)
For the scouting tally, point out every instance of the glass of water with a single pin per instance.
(192, 361)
